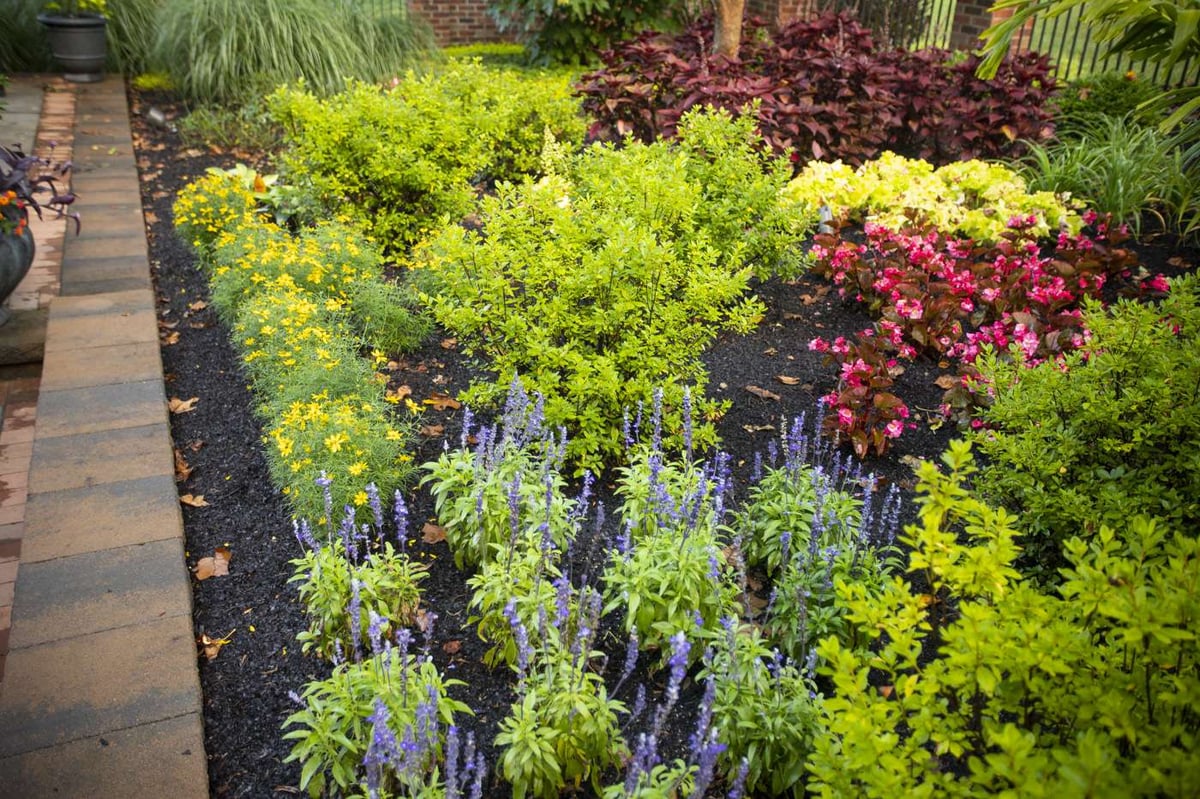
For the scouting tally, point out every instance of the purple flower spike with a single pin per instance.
(738, 789)
(401, 517)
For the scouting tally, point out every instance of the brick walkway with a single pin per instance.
(99, 690)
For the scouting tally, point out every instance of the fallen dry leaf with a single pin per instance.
(762, 392)
(788, 381)
(771, 351)
(432, 533)
(198, 305)
(176, 405)
(452, 647)
(758, 428)
(182, 470)
(212, 646)
(170, 338)
(1178, 261)
(151, 217)
(401, 392)
(196, 501)
(432, 430)
(216, 566)
(441, 402)
(449, 343)
(946, 382)
(425, 620)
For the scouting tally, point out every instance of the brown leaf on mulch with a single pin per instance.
(432, 533)
(762, 392)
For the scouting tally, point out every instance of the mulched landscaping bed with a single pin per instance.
(246, 686)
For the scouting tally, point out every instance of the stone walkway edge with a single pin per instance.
(101, 694)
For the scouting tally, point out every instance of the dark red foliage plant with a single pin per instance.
(822, 89)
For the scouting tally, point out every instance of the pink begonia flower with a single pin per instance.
(894, 428)
(845, 417)
(840, 346)
(818, 345)
(910, 309)
(1157, 283)
(1089, 217)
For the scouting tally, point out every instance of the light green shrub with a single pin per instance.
(980, 684)
(1112, 432)
(404, 160)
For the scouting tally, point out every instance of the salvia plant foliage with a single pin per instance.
(824, 90)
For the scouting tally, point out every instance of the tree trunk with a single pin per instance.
(728, 36)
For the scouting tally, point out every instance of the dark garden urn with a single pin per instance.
(78, 44)
(16, 254)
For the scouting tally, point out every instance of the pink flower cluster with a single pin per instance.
(952, 297)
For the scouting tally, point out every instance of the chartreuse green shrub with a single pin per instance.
(974, 198)
(607, 278)
(1111, 432)
(982, 684)
(404, 158)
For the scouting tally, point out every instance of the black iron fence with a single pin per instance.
(1077, 53)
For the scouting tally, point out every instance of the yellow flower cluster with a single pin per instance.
(348, 438)
(210, 206)
(973, 198)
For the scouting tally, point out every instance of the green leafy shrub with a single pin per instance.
(1111, 432)
(606, 280)
(574, 31)
(981, 684)
(332, 585)
(518, 584)
(335, 730)
(247, 127)
(403, 159)
(1087, 101)
(217, 51)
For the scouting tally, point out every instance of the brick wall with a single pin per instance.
(458, 21)
(466, 21)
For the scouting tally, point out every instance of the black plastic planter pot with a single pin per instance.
(77, 44)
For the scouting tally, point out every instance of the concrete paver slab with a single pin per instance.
(160, 759)
(92, 684)
(98, 591)
(97, 366)
(54, 527)
(94, 409)
(110, 456)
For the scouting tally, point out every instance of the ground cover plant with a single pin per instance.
(684, 696)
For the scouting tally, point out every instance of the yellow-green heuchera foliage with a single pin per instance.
(973, 198)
